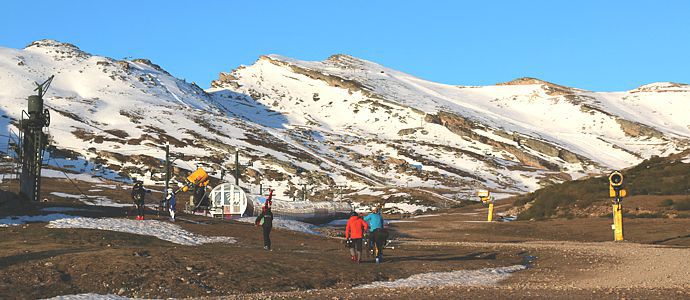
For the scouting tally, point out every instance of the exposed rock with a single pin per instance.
(635, 129)
(123, 64)
(151, 64)
(406, 131)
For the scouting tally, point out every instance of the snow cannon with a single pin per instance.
(486, 198)
(197, 183)
(484, 195)
(197, 179)
(616, 189)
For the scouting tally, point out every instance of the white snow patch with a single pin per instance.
(66, 195)
(162, 230)
(59, 174)
(487, 276)
(287, 224)
(426, 216)
(406, 207)
(20, 220)
(92, 200)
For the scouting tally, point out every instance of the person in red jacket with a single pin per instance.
(354, 231)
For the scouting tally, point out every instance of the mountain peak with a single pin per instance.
(48, 43)
(662, 87)
(59, 50)
(525, 81)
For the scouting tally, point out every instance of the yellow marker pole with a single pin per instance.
(491, 212)
(617, 222)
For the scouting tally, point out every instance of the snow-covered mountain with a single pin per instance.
(343, 124)
(510, 137)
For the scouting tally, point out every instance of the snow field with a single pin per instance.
(162, 230)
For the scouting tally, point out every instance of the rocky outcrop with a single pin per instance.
(551, 89)
(464, 127)
(151, 64)
(549, 149)
(635, 129)
(334, 81)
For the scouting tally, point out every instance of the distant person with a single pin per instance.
(377, 234)
(171, 201)
(354, 232)
(265, 219)
(138, 197)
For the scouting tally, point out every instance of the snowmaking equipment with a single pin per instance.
(617, 192)
(197, 183)
(486, 198)
(33, 141)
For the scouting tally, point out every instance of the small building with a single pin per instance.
(228, 199)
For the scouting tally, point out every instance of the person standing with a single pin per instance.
(170, 199)
(265, 219)
(354, 231)
(138, 195)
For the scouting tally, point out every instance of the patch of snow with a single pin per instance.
(426, 216)
(66, 195)
(487, 276)
(20, 220)
(406, 207)
(107, 186)
(400, 221)
(92, 200)
(80, 177)
(287, 224)
(162, 230)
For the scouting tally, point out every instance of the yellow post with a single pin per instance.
(491, 212)
(617, 222)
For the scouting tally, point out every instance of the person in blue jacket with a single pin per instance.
(377, 234)
(170, 198)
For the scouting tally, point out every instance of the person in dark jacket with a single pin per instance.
(138, 195)
(354, 232)
(265, 219)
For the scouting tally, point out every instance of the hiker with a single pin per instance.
(138, 195)
(265, 219)
(170, 199)
(354, 231)
(377, 234)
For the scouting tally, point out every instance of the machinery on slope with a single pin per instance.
(230, 200)
(197, 183)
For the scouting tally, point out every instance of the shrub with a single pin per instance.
(682, 205)
(649, 215)
(666, 202)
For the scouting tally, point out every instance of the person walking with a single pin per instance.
(377, 234)
(354, 232)
(265, 219)
(138, 195)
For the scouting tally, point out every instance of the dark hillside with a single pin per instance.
(654, 176)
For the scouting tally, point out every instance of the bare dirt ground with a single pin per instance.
(571, 258)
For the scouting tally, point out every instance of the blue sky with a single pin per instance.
(596, 45)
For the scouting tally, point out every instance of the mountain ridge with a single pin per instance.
(342, 121)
